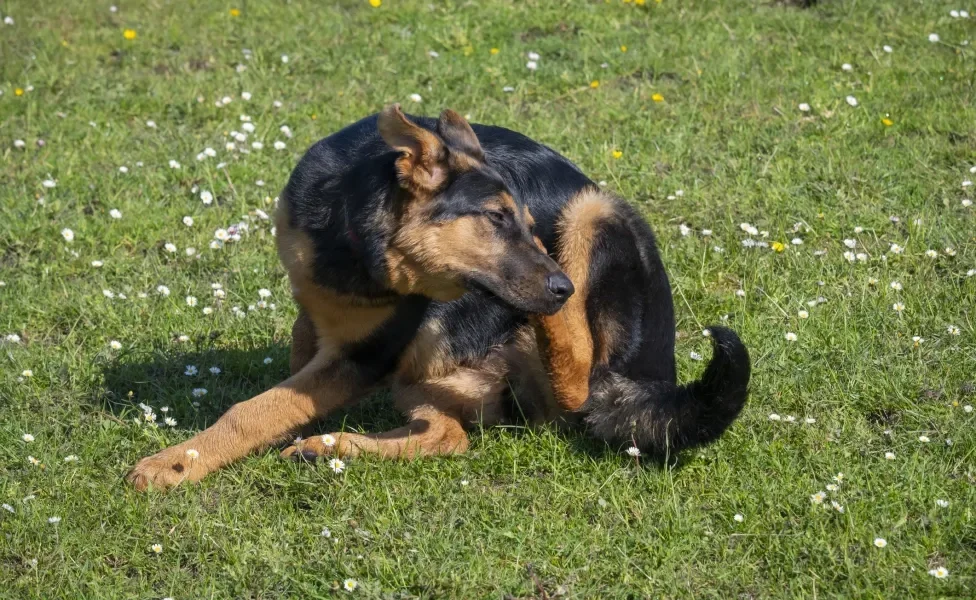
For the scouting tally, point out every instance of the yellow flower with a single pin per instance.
(640, 2)
(657, 97)
(887, 122)
(235, 12)
(594, 84)
(494, 50)
(617, 153)
(375, 3)
(129, 34)
(623, 48)
(468, 50)
(18, 92)
(778, 246)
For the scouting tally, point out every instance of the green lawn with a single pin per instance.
(691, 109)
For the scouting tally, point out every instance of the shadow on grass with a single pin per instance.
(171, 383)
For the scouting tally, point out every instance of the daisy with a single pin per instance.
(933, 37)
(162, 290)
(888, 49)
(71, 458)
(941, 572)
(279, 145)
(115, 213)
(898, 307)
(968, 408)
(206, 197)
(836, 506)
(192, 454)
(264, 293)
(337, 465)
(170, 421)
(221, 235)
(953, 330)
(532, 65)
(738, 518)
(49, 183)
(215, 370)
(851, 100)
(173, 164)
(896, 285)
(880, 542)
(33, 461)
(157, 548)
(191, 301)
(790, 336)
(188, 221)
(350, 585)
(804, 107)
(115, 345)
(889, 456)
(27, 373)
(803, 314)
(54, 520)
(68, 235)
(896, 249)
(27, 438)
(633, 451)
(170, 247)
(190, 251)
(942, 503)
(774, 417)
(416, 98)
(267, 360)
(328, 440)
(199, 392)
(809, 420)
(97, 263)
(846, 67)
(123, 169)
(924, 439)
(931, 254)
(191, 370)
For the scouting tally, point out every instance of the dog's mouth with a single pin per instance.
(498, 294)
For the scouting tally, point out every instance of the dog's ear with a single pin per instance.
(458, 134)
(423, 161)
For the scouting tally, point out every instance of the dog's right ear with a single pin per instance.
(422, 165)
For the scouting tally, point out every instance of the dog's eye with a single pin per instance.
(495, 216)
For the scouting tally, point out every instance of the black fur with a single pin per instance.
(658, 416)
(343, 194)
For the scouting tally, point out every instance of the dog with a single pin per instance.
(483, 278)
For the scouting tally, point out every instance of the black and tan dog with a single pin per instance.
(417, 251)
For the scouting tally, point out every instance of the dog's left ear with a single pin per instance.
(456, 131)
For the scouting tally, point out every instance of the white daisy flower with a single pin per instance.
(191, 301)
(350, 585)
(170, 247)
(942, 503)
(880, 542)
(156, 548)
(192, 454)
(68, 235)
(738, 518)
(790, 336)
(279, 145)
(328, 440)
(162, 290)
(933, 37)
(27, 438)
(818, 498)
(633, 451)
(337, 465)
(206, 197)
(851, 100)
(199, 392)
(416, 98)
(888, 49)
(804, 107)
(940, 572)
(115, 345)
(115, 213)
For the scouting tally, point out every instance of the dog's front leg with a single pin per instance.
(319, 387)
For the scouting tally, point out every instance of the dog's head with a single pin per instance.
(458, 227)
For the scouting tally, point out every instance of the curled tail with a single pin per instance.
(661, 417)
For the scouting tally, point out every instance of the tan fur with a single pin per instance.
(252, 425)
(565, 339)
(304, 342)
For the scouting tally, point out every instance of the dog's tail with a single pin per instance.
(660, 416)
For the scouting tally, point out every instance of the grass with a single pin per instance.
(530, 513)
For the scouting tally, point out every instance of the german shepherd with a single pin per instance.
(417, 252)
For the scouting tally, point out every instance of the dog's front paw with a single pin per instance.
(168, 469)
(311, 448)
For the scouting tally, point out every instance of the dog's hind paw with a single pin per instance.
(309, 449)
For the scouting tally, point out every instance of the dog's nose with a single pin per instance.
(559, 286)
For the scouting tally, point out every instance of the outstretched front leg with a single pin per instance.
(319, 387)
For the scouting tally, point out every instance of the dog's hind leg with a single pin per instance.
(565, 339)
(319, 387)
(437, 409)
